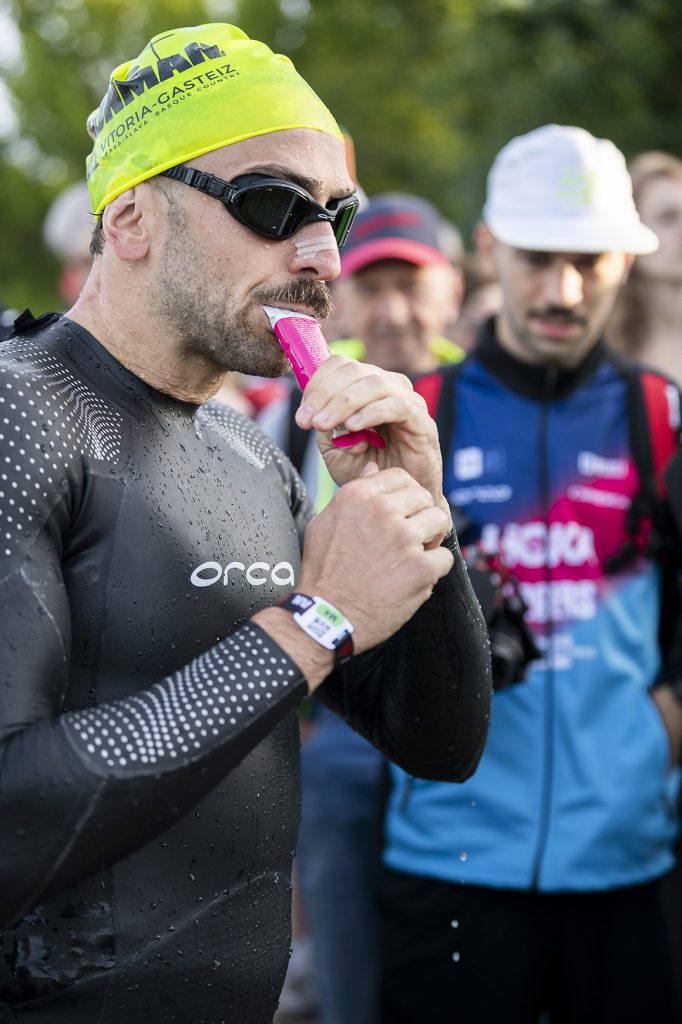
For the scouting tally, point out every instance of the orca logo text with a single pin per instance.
(257, 574)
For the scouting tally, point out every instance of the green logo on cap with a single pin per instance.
(576, 187)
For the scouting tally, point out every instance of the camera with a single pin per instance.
(512, 646)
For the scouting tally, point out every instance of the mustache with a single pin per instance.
(558, 314)
(302, 292)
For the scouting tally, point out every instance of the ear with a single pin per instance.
(126, 225)
(629, 260)
(484, 244)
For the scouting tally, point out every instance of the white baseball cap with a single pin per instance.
(559, 189)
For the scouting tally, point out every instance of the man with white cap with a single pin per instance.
(536, 886)
(153, 653)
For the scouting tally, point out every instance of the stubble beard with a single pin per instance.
(209, 323)
(215, 329)
(543, 351)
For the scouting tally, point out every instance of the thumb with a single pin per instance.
(369, 468)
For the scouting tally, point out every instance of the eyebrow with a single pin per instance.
(312, 185)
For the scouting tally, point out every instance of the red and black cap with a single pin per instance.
(397, 226)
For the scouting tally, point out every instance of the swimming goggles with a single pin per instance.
(270, 206)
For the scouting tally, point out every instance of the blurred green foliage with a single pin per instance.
(429, 91)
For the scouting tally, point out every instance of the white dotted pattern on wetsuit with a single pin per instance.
(175, 719)
(241, 434)
(46, 416)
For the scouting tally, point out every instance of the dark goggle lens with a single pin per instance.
(343, 222)
(273, 210)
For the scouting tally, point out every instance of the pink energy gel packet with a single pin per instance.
(306, 348)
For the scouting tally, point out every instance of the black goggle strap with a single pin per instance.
(207, 183)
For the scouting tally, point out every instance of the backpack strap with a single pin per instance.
(661, 403)
(654, 416)
(660, 400)
(439, 392)
(654, 427)
(429, 387)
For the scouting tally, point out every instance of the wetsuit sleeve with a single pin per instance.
(423, 697)
(82, 789)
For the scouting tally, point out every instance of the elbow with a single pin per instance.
(463, 753)
(457, 762)
(465, 770)
(458, 769)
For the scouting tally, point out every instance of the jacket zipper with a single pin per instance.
(548, 690)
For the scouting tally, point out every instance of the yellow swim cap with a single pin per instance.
(190, 91)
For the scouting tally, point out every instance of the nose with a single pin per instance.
(564, 285)
(315, 250)
(391, 307)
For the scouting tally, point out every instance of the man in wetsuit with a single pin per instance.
(149, 772)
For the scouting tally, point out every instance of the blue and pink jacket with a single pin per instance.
(574, 791)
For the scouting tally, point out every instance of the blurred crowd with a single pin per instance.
(396, 889)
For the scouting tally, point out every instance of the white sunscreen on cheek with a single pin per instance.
(305, 346)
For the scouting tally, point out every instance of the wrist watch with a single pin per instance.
(322, 622)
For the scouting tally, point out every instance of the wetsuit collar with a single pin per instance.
(529, 380)
(130, 386)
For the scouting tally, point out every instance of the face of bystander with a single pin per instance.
(660, 207)
(554, 305)
(397, 308)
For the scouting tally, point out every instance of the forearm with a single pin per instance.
(423, 697)
(314, 661)
(84, 789)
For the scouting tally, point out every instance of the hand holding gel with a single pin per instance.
(305, 346)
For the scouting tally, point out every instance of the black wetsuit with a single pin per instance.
(148, 734)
